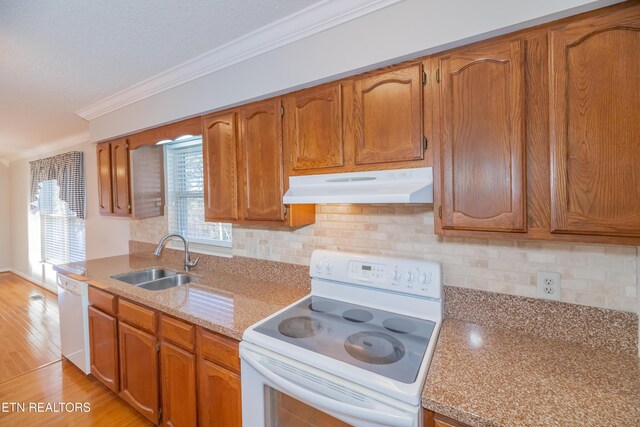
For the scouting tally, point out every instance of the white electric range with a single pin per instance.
(353, 353)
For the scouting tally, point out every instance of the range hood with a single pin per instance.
(388, 186)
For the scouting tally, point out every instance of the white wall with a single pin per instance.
(5, 250)
(105, 236)
(407, 29)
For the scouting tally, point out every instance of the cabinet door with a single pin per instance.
(105, 196)
(261, 161)
(388, 116)
(139, 370)
(103, 341)
(120, 177)
(178, 378)
(219, 389)
(313, 128)
(483, 138)
(432, 419)
(595, 125)
(220, 167)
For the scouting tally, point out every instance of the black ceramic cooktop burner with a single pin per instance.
(322, 306)
(299, 327)
(374, 347)
(400, 325)
(357, 315)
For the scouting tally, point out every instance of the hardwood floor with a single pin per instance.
(30, 332)
(63, 382)
(32, 372)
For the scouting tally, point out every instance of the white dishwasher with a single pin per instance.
(73, 303)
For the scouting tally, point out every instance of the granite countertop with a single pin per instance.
(488, 376)
(479, 375)
(221, 301)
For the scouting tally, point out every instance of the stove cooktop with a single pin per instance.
(382, 342)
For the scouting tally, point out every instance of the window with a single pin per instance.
(185, 195)
(58, 195)
(61, 231)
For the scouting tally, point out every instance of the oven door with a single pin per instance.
(277, 391)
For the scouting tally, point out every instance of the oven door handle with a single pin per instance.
(319, 400)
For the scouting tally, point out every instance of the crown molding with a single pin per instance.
(48, 148)
(309, 21)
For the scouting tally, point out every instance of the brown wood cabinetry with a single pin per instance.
(313, 135)
(482, 137)
(139, 375)
(113, 177)
(105, 172)
(388, 116)
(260, 162)
(120, 184)
(193, 373)
(103, 341)
(433, 419)
(553, 154)
(178, 378)
(244, 168)
(220, 388)
(218, 380)
(595, 125)
(220, 152)
(369, 122)
(118, 195)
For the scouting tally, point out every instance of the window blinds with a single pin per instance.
(58, 195)
(62, 232)
(185, 195)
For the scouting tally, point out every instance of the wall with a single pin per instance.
(596, 275)
(5, 250)
(105, 236)
(407, 29)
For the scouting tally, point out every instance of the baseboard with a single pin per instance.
(36, 282)
(5, 270)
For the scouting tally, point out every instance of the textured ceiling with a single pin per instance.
(58, 56)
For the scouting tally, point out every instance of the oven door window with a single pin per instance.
(283, 410)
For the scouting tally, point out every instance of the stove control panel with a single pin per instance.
(416, 277)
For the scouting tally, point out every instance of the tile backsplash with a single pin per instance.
(596, 275)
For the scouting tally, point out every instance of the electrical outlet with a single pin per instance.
(548, 285)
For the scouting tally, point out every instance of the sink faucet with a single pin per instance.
(188, 264)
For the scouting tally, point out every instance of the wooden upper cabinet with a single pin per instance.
(220, 144)
(261, 162)
(595, 125)
(388, 116)
(313, 128)
(121, 188)
(105, 170)
(482, 138)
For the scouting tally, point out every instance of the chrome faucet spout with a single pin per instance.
(188, 263)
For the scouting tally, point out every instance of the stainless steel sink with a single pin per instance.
(154, 279)
(167, 282)
(140, 277)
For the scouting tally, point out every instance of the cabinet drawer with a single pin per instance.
(136, 315)
(102, 300)
(219, 349)
(179, 333)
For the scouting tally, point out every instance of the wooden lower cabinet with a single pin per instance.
(103, 339)
(220, 400)
(154, 361)
(178, 378)
(432, 419)
(139, 379)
